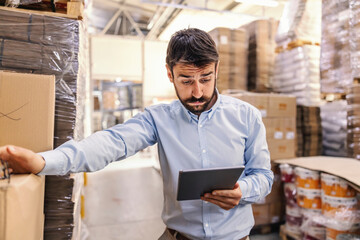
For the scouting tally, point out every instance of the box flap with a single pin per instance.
(346, 168)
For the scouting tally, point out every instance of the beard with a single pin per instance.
(200, 108)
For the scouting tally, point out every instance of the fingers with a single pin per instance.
(223, 205)
(226, 199)
(22, 160)
(234, 193)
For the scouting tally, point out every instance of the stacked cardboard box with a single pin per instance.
(27, 120)
(45, 44)
(232, 47)
(311, 131)
(335, 64)
(334, 124)
(354, 38)
(261, 54)
(279, 115)
(271, 209)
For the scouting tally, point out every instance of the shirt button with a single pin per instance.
(200, 125)
(206, 225)
(204, 151)
(206, 202)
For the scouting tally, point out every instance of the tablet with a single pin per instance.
(195, 182)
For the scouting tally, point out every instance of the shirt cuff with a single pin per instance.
(54, 162)
(244, 189)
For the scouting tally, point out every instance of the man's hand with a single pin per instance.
(21, 160)
(226, 199)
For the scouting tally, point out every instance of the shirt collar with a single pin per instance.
(210, 112)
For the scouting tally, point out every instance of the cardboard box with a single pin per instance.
(270, 105)
(22, 207)
(280, 149)
(27, 120)
(27, 110)
(346, 168)
(268, 213)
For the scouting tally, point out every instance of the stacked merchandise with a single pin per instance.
(353, 121)
(310, 130)
(335, 64)
(300, 20)
(334, 124)
(340, 207)
(297, 63)
(297, 73)
(232, 47)
(278, 114)
(292, 210)
(261, 54)
(353, 96)
(308, 188)
(43, 44)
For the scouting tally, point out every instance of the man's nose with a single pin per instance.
(197, 90)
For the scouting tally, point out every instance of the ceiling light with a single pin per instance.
(266, 3)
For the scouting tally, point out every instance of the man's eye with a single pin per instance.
(186, 82)
(205, 80)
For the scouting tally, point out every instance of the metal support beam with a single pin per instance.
(111, 22)
(134, 24)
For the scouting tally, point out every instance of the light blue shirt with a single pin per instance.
(231, 133)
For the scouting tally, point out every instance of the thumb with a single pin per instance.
(11, 150)
(19, 152)
(236, 185)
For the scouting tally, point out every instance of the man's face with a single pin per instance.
(195, 87)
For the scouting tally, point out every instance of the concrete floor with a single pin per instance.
(113, 210)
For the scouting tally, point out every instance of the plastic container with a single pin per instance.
(309, 198)
(336, 187)
(290, 192)
(306, 178)
(336, 207)
(287, 173)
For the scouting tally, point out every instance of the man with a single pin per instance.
(203, 129)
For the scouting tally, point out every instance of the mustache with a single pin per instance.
(193, 99)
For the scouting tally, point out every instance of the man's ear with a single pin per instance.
(169, 74)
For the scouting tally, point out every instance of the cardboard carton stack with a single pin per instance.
(27, 108)
(279, 116)
(232, 47)
(45, 44)
(309, 127)
(335, 64)
(261, 54)
(334, 128)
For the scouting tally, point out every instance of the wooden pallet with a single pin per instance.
(266, 228)
(74, 10)
(287, 235)
(330, 97)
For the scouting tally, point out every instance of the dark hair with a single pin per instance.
(191, 46)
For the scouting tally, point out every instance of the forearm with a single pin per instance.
(256, 185)
(88, 155)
